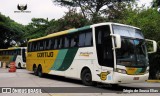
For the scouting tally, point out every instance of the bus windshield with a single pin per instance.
(133, 52)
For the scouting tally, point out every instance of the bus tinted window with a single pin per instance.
(88, 39)
(55, 44)
(82, 39)
(74, 40)
(66, 44)
(41, 45)
(77, 39)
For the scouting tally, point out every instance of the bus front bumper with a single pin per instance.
(125, 78)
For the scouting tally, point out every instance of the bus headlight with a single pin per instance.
(121, 71)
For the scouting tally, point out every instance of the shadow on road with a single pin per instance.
(96, 88)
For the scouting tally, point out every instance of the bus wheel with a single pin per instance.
(19, 65)
(40, 74)
(86, 77)
(115, 85)
(35, 70)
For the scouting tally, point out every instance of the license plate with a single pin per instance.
(136, 78)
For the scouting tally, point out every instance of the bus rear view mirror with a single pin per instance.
(117, 39)
(151, 46)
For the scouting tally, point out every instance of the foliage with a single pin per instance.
(11, 33)
(156, 3)
(37, 28)
(71, 19)
(89, 8)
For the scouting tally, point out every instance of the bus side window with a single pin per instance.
(61, 42)
(74, 40)
(81, 39)
(32, 47)
(41, 45)
(38, 46)
(66, 44)
(49, 44)
(55, 44)
(88, 40)
(52, 43)
(46, 44)
(35, 46)
(58, 43)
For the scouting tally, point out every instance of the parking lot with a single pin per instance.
(52, 85)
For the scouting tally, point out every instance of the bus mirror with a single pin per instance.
(151, 46)
(117, 40)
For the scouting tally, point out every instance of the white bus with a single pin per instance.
(14, 54)
(106, 52)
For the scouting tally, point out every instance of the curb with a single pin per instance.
(153, 81)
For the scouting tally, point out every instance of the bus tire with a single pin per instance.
(40, 73)
(86, 77)
(19, 65)
(115, 85)
(35, 70)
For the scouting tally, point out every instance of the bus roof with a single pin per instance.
(112, 23)
(78, 29)
(12, 48)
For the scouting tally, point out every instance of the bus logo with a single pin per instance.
(45, 54)
(87, 54)
(103, 75)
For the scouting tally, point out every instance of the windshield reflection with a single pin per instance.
(132, 53)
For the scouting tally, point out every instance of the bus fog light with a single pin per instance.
(121, 71)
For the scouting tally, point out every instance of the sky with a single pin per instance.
(37, 8)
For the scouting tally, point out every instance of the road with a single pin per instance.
(52, 85)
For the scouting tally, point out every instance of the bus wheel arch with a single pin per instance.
(86, 76)
(35, 69)
(40, 70)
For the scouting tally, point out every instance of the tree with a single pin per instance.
(11, 33)
(89, 8)
(71, 19)
(36, 28)
(156, 3)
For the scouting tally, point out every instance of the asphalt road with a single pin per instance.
(52, 85)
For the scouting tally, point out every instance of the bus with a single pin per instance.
(14, 54)
(110, 53)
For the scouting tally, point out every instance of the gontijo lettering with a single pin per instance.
(45, 54)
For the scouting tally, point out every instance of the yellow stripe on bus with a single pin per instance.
(45, 58)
